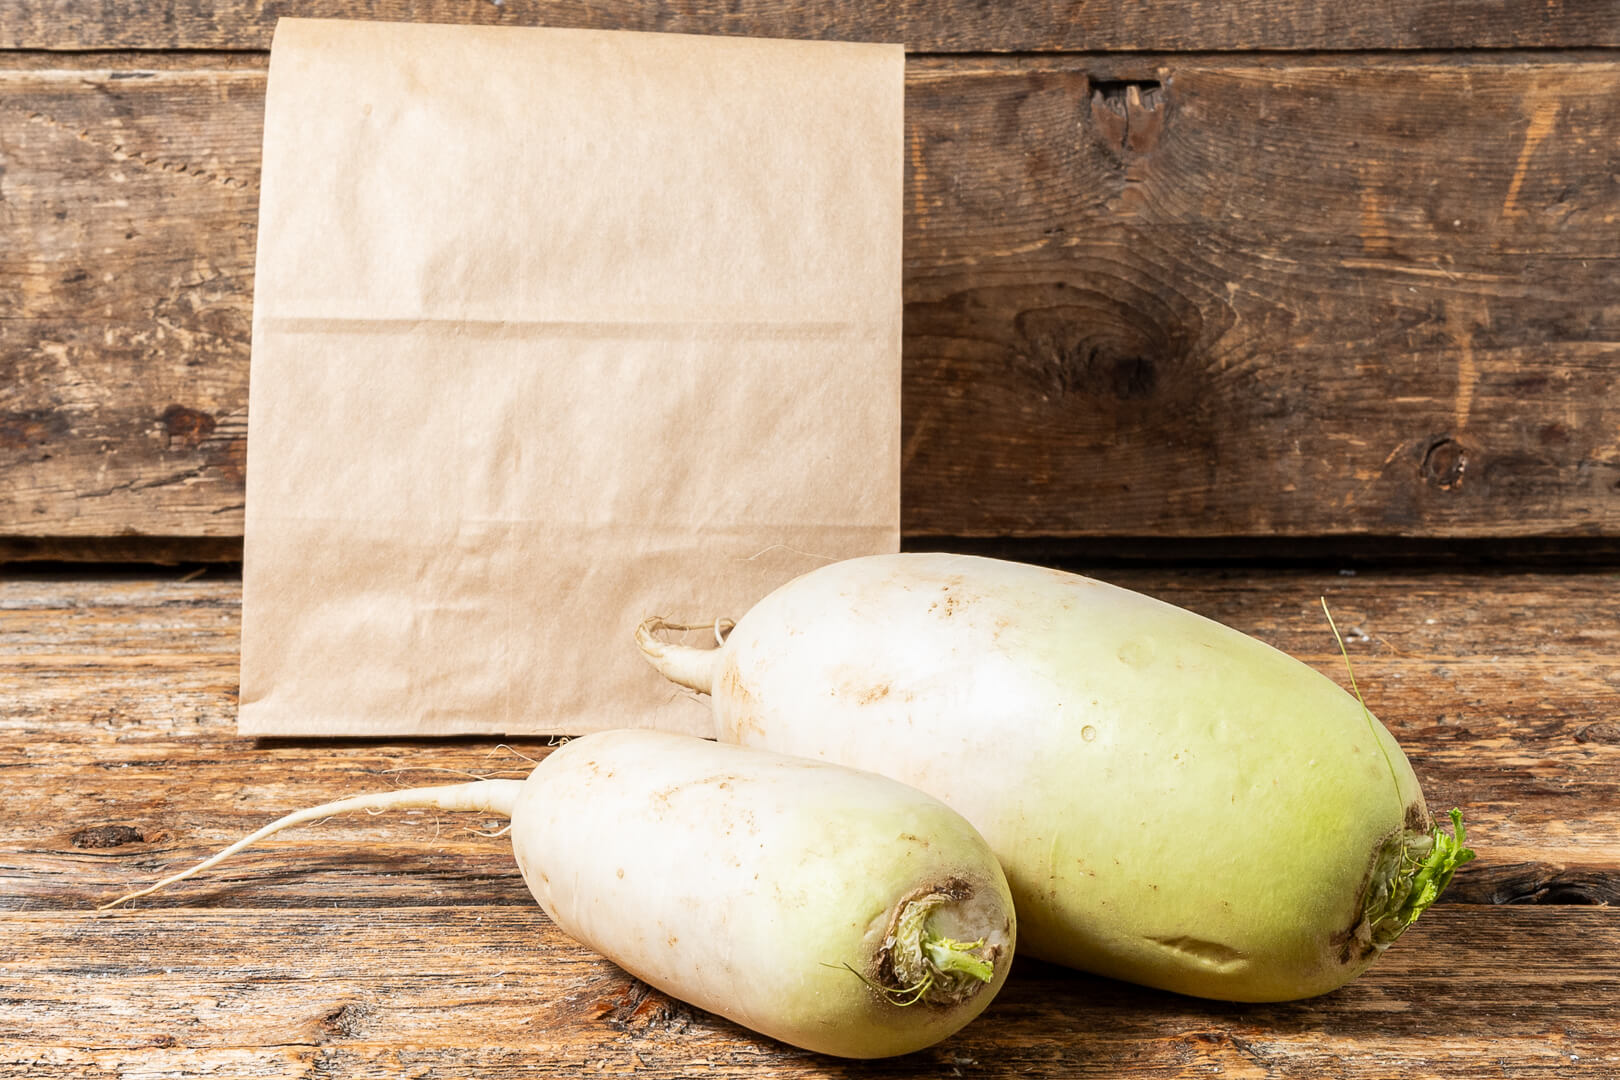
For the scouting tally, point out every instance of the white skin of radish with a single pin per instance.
(742, 882)
(1174, 802)
(760, 887)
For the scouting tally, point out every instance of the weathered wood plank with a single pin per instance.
(1302, 299)
(116, 711)
(117, 706)
(1269, 297)
(954, 26)
(128, 204)
(498, 991)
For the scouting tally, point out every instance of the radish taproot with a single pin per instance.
(829, 908)
(1174, 803)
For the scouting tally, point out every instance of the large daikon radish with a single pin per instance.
(1174, 802)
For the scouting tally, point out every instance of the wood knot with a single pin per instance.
(1444, 463)
(186, 428)
(1128, 113)
(639, 1010)
(347, 1021)
(107, 836)
(1604, 731)
(1099, 349)
(36, 427)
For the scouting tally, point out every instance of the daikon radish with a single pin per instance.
(830, 908)
(1174, 802)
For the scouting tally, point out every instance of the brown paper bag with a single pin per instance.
(554, 330)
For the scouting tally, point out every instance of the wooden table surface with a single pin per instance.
(1217, 299)
(407, 944)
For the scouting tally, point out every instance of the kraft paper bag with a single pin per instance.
(555, 330)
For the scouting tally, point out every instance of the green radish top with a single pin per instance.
(1413, 867)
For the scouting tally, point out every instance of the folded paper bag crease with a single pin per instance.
(554, 330)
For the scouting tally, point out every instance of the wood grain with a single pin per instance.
(127, 213)
(406, 944)
(1266, 297)
(497, 992)
(951, 26)
(1302, 299)
(118, 727)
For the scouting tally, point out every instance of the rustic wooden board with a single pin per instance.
(116, 711)
(119, 710)
(128, 204)
(952, 26)
(497, 991)
(1306, 298)
(1324, 295)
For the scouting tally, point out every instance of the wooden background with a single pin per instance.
(1236, 303)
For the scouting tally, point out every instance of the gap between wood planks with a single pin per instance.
(70, 556)
(185, 59)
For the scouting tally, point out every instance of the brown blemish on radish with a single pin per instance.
(720, 780)
(731, 685)
(736, 705)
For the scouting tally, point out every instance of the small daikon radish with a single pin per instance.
(830, 908)
(1175, 803)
